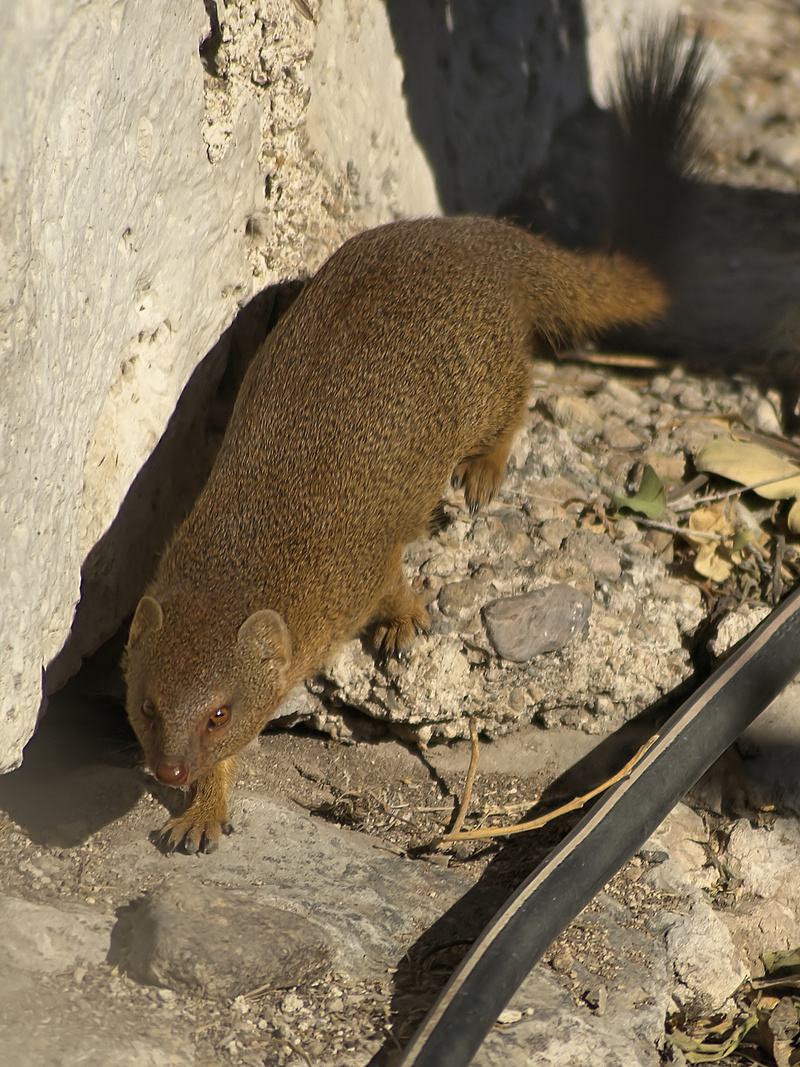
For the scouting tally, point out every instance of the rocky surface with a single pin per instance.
(182, 960)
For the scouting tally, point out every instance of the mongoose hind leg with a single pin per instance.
(482, 475)
(400, 614)
(200, 827)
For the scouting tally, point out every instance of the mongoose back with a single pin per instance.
(404, 362)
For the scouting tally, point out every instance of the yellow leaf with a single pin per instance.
(711, 564)
(714, 519)
(749, 463)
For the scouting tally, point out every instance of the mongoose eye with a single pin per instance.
(219, 718)
(148, 709)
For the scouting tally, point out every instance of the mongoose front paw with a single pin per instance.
(200, 827)
(192, 832)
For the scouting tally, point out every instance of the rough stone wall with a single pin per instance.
(122, 257)
(160, 162)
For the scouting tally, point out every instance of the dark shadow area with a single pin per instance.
(734, 275)
(485, 85)
(79, 771)
(210, 44)
(83, 768)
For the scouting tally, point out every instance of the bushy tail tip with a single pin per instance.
(661, 86)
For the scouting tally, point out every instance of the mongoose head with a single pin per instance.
(196, 696)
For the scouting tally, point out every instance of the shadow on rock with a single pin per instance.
(78, 772)
(122, 562)
(730, 256)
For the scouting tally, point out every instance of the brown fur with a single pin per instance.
(404, 360)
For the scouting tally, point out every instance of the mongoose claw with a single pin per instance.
(481, 476)
(191, 835)
(393, 637)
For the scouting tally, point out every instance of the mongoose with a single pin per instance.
(404, 362)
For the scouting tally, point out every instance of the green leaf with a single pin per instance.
(650, 500)
(781, 961)
(741, 538)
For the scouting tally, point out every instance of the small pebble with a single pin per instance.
(783, 151)
(544, 620)
(509, 1016)
(291, 1003)
(622, 439)
(555, 531)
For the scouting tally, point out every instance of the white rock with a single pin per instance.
(783, 151)
(706, 960)
(41, 939)
(681, 836)
(735, 626)
(123, 257)
(706, 964)
(356, 74)
(768, 860)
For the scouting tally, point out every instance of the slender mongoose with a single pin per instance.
(404, 362)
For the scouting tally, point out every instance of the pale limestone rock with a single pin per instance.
(43, 939)
(123, 257)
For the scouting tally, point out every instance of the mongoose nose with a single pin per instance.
(172, 771)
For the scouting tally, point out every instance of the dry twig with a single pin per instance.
(535, 824)
(473, 766)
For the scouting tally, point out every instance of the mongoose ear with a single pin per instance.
(266, 636)
(148, 617)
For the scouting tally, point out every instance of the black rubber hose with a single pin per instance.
(616, 827)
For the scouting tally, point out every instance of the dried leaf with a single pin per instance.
(697, 1050)
(650, 500)
(749, 464)
(783, 1029)
(714, 519)
(713, 557)
(711, 564)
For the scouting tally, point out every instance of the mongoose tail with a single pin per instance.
(661, 85)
